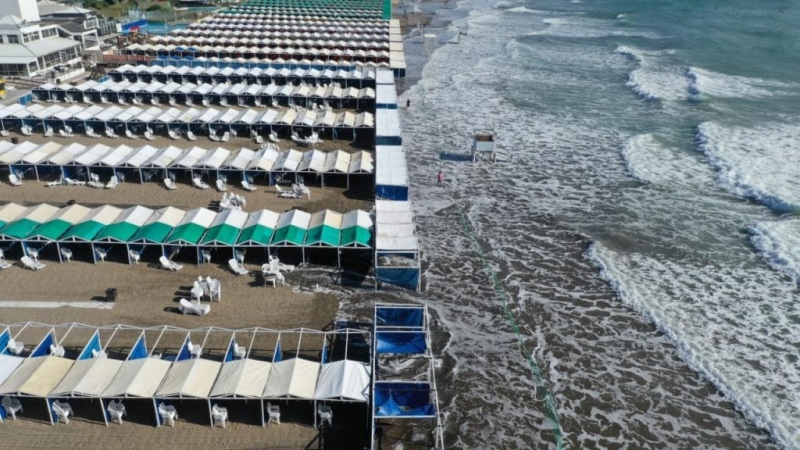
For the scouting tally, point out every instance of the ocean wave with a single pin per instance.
(692, 317)
(654, 79)
(708, 83)
(779, 244)
(761, 163)
(649, 160)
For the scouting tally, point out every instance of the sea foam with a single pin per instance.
(779, 244)
(654, 79)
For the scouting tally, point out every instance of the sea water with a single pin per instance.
(644, 231)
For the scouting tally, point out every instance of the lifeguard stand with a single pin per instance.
(483, 144)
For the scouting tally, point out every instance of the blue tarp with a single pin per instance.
(43, 349)
(230, 353)
(408, 278)
(94, 344)
(405, 342)
(400, 317)
(278, 353)
(403, 400)
(139, 349)
(386, 192)
(4, 338)
(184, 353)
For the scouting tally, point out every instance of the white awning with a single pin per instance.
(36, 377)
(295, 378)
(343, 379)
(243, 378)
(190, 378)
(138, 378)
(88, 377)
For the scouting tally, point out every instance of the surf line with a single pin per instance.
(542, 393)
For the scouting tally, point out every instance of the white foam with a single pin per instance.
(761, 163)
(655, 79)
(706, 82)
(779, 244)
(726, 341)
(648, 159)
(582, 27)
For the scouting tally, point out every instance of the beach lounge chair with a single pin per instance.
(148, 134)
(136, 101)
(276, 264)
(199, 184)
(236, 267)
(170, 184)
(116, 410)
(172, 101)
(189, 307)
(273, 137)
(64, 133)
(225, 137)
(26, 130)
(12, 407)
(219, 415)
(66, 253)
(130, 135)
(135, 256)
(274, 413)
(286, 194)
(113, 182)
(94, 181)
(101, 253)
(190, 136)
(195, 350)
(48, 132)
(258, 139)
(223, 101)
(238, 352)
(169, 265)
(62, 410)
(168, 414)
(247, 186)
(28, 262)
(71, 182)
(154, 101)
(14, 347)
(213, 136)
(110, 133)
(55, 183)
(174, 135)
(14, 180)
(221, 185)
(4, 264)
(57, 350)
(90, 132)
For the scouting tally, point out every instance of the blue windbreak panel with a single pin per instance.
(410, 342)
(4, 338)
(407, 278)
(403, 400)
(139, 350)
(400, 317)
(278, 353)
(229, 354)
(184, 353)
(387, 192)
(43, 349)
(94, 344)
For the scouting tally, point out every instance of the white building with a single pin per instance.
(31, 47)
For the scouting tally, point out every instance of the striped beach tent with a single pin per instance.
(159, 226)
(192, 228)
(356, 229)
(259, 228)
(27, 222)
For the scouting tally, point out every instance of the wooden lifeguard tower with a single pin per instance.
(483, 143)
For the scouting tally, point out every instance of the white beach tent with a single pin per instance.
(88, 378)
(10, 363)
(292, 378)
(138, 378)
(192, 378)
(243, 378)
(343, 380)
(36, 377)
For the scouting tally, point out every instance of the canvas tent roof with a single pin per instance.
(242, 378)
(9, 364)
(192, 227)
(324, 228)
(190, 378)
(159, 225)
(66, 154)
(356, 229)
(343, 379)
(126, 224)
(93, 223)
(28, 221)
(36, 377)
(138, 378)
(10, 212)
(88, 377)
(60, 222)
(291, 228)
(259, 228)
(225, 228)
(296, 378)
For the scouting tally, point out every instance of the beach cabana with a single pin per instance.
(291, 229)
(136, 159)
(10, 212)
(36, 377)
(191, 229)
(23, 225)
(189, 379)
(52, 230)
(343, 380)
(225, 229)
(258, 230)
(87, 379)
(324, 230)
(125, 227)
(391, 174)
(157, 228)
(63, 157)
(33, 158)
(91, 225)
(356, 230)
(138, 378)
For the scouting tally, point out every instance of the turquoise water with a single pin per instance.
(645, 229)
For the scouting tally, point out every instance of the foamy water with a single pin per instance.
(655, 295)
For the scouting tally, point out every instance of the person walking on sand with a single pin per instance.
(440, 178)
(408, 103)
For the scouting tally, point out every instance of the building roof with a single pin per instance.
(46, 7)
(26, 53)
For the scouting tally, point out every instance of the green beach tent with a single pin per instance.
(356, 229)
(291, 229)
(158, 226)
(27, 222)
(192, 228)
(125, 226)
(59, 223)
(92, 224)
(324, 229)
(258, 229)
(10, 212)
(225, 229)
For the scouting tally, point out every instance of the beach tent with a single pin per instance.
(36, 377)
(91, 225)
(10, 212)
(27, 222)
(88, 378)
(191, 378)
(391, 174)
(291, 228)
(124, 227)
(10, 363)
(243, 378)
(192, 227)
(343, 380)
(292, 378)
(225, 228)
(59, 223)
(356, 229)
(139, 377)
(258, 229)
(136, 159)
(324, 229)
(159, 226)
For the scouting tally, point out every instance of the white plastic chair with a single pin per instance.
(63, 410)
(12, 407)
(168, 414)
(57, 350)
(195, 350)
(215, 290)
(274, 413)
(116, 410)
(169, 265)
(199, 184)
(325, 414)
(236, 267)
(170, 184)
(101, 253)
(28, 262)
(238, 352)
(135, 256)
(14, 347)
(14, 180)
(221, 186)
(66, 253)
(219, 415)
(206, 254)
